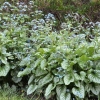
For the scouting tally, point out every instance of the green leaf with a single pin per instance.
(43, 64)
(62, 93)
(81, 50)
(83, 60)
(96, 57)
(95, 76)
(4, 70)
(95, 89)
(79, 92)
(67, 96)
(45, 80)
(56, 80)
(37, 62)
(3, 59)
(82, 75)
(31, 89)
(78, 83)
(77, 77)
(25, 61)
(91, 51)
(40, 72)
(62, 96)
(68, 79)
(61, 90)
(30, 79)
(26, 71)
(16, 79)
(48, 90)
(64, 64)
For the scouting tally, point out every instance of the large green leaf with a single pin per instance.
(3, 59)
(16, 79)
(77, 77)
(31, 88)
(81, 49)
(37, 62)
(68, 79)
(82, 75)
(43, 64)
(65, 96)
(62, 96)
(79, 92)
(90, 51)
(64, 64)
(83, 60)
(94, 76)
(61, 91)
(95, 89)
(59, 88)
(25, 61)
(45, 80)
(48, 90)
(40, 72)
(26, 71)
(4, 70)
(96, 57)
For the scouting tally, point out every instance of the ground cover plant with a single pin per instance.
(10, 93)
(37, 58)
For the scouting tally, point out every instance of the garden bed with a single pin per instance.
(38, 58)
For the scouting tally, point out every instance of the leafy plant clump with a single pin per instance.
(37, 58)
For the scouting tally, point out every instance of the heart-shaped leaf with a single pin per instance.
(79, 92)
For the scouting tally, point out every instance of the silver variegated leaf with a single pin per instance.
(68, 79)
(31, 88)
(24, 72)
(79, 92)
(48, 90)
(45, 80)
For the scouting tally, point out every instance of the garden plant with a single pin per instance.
(38, 58)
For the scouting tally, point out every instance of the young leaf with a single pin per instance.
(91, 51)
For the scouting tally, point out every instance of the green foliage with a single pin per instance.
(62, 63)
(8, 92)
